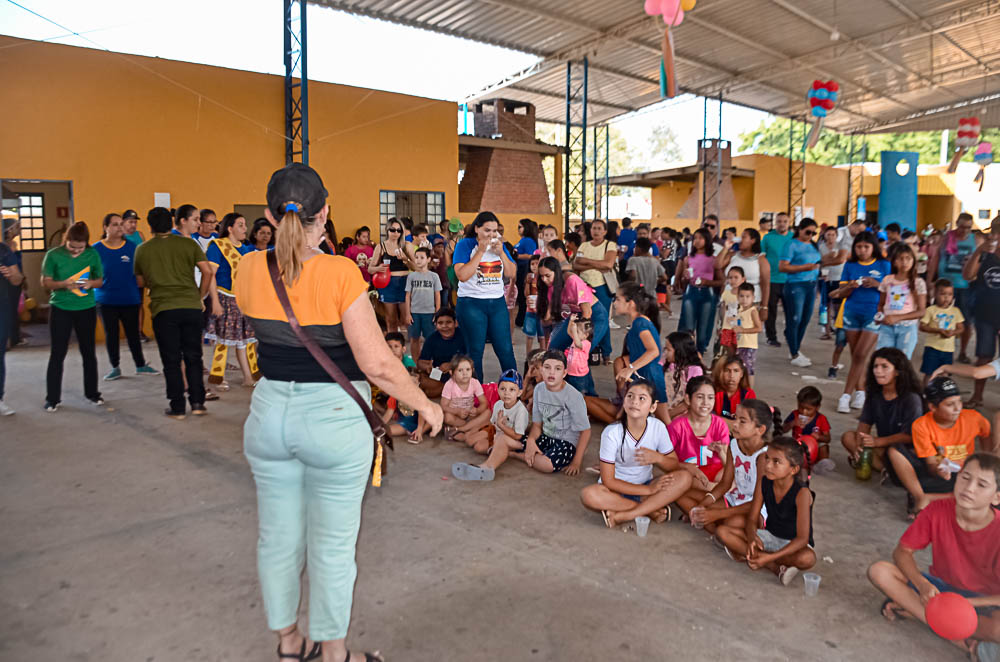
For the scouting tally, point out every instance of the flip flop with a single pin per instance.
(607, 522)
(464, 471)
(898, 613)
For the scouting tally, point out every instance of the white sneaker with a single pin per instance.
(858, 401)
(5, 410)
(612, 324)
(801, 361)
(844, 404)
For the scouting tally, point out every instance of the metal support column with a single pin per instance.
(710, 164)
(856, 175)
(296, 91)
(796, 170)
(576, 140)
(602, 158)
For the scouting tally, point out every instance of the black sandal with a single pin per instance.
(317, 652)
(293, 656)
(369, 657)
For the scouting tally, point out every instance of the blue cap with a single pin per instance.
(512, 376)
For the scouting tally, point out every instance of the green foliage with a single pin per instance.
(834, 148)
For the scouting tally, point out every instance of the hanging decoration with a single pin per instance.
(983, 157)
(966, 138)
(672, 12)
(822, 98)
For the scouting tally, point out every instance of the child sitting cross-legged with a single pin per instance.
(785, 544)
(963, 531)
(629, 450)
(730, 500)
(701, 440)
(942, 440)
(403, 419)
(458, 401)
(510, 417)
(559, 433)
(807, 421)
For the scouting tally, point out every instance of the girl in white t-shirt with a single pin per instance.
(730, 500)
(629, 449)
(459, 397)
(903, 299)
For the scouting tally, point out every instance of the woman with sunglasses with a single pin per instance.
(394, 255)
(800, 264)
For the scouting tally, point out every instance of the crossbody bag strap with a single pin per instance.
(377, 426)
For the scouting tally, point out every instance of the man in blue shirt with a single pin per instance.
(773, 245)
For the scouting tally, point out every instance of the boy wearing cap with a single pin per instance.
(942, 440)
(988, 371)
(510, 417)
(963, 531)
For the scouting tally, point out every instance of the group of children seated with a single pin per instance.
(679, 436)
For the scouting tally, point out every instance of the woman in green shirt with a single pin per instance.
(72, 272)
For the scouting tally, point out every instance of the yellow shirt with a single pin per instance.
(942, 318)
(593, 277)
(748, 340)
(729, 309)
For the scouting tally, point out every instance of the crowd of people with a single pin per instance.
(688, 434)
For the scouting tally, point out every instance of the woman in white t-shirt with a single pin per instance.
(481, 263)
(748, 256)
(629, 449)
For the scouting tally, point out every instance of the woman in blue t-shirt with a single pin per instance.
(859, 283)
(227, 326)
(527, 229)
(119, 299)
(800, 264)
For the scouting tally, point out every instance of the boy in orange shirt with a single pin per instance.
(942, 439)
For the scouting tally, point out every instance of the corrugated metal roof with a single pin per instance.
(901, 64)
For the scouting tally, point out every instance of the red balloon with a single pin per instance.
(813, 101)
(381, 279)
(832, 86)
(951, 616)
(812, 445)
(817, 84)
(827, 103)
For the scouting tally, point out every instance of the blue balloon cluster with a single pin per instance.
(821, 99)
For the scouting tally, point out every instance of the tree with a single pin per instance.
(834, 148)
(662, 149)
(623, 158)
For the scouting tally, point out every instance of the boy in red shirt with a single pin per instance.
(964, 534)
(942, 439)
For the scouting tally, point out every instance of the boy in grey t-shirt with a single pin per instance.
(423, 298)
(647, 268)
(559, 433)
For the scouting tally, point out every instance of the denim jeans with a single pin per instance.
(5, 328)
(310, 449)
(799, 299)
(901, 336)
(599, 320)
(482, 319)
(698, 314)
(178, 335)
(606, 297)
(62, 324)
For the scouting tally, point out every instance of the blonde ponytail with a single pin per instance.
(291, 237)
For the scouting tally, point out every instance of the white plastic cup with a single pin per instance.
(641, 526)
(699, 509)
(812, 581)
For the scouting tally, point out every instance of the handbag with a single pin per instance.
(379, 433)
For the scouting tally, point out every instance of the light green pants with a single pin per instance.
(310, 449)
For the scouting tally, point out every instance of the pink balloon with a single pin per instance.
(652, 7)
(675, 15)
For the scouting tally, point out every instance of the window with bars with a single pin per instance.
(422, 207)
(31, 216)
(435, 209)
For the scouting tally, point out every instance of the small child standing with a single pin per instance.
(510, 417)
(963, 532)
(941, 322)
(458, 401)
(785, 544)
(559, 434)
(532, 325)
(647, 269)
(942, 440)
(806, 420)
(902, 303)
(729, 311)
(578, 375)
(423, 299)
(629, 450)
(748, 327)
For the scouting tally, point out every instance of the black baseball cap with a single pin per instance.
(129, 213)
(940, 388)
(299, 185)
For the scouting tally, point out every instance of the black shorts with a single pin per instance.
(559, 452)
(930, 482)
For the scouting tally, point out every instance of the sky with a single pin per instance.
(346, 49)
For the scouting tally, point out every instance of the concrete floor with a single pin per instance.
(131, 537)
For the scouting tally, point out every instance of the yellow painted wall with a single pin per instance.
(936, 210)
(826, 187)
(666, 200)
(120, 130)
(55, 195)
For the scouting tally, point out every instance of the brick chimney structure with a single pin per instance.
(502, 176)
